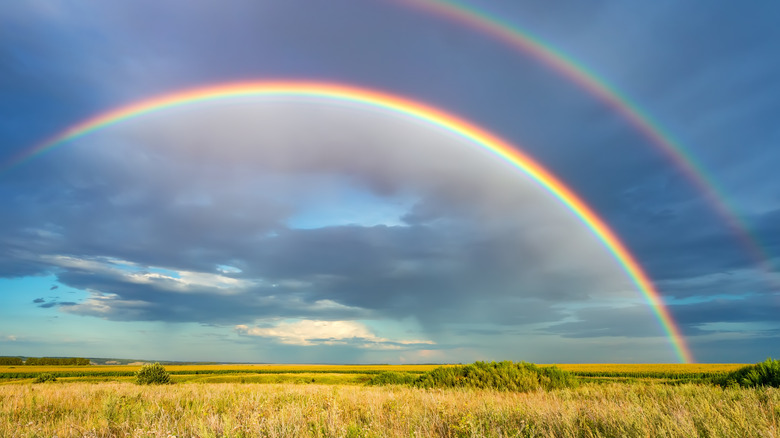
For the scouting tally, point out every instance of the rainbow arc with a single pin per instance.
(576, 72)
(475, 135)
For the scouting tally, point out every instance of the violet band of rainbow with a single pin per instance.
(414, 110)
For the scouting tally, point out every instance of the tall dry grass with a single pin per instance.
(247, 410)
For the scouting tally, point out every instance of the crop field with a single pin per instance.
(345, 373)
(336, 401)
(216, 373)
(672, 372)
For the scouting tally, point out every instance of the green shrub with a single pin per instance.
(765, 373)
(503, 376)
(152, 374)
(45, 377)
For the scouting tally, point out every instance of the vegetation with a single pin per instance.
(45, 377)
(496, 399)
(249, 410)
(665, 372)
(6, 360)
(80, 361)
(502, 376)
(152, 374)
(393, 378)
(765, 373)
(120, 371)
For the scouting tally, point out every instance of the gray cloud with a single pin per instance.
(223, 186)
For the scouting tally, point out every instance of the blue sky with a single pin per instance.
(301, 231)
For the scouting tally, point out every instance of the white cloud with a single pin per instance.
(313, 332)
(130, 272)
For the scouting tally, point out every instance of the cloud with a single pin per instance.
(51, 304)
(312, 332)
(702, 316)
(189, 217)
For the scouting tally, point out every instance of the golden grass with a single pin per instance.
(248, 410)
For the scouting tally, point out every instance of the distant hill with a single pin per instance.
(118, 361)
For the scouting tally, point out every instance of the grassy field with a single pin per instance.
(333, 401)
(247, 410)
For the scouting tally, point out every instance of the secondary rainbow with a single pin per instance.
(578, 73)
(407, 108)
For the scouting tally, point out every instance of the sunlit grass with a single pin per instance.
(294, 410)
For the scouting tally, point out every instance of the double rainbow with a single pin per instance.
(588, 80)
(408, 108)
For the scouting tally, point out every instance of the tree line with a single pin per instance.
(44, 361)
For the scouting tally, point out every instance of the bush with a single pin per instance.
(152, 374)
(503, 376)
(45, 377)
(765, 373)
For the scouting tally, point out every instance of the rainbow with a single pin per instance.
(406, 108)
(576, 72)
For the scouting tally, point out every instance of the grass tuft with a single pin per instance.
(45, 377)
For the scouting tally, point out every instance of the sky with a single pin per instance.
(301, 229)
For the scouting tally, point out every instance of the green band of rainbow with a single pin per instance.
(413, 110)
(576, 72)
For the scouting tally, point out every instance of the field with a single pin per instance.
(325, 400)
(347, 373)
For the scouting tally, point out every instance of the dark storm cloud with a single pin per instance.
(696, 319)
(745, 347)
(766, 233)
(630, 322)
(747, 308)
